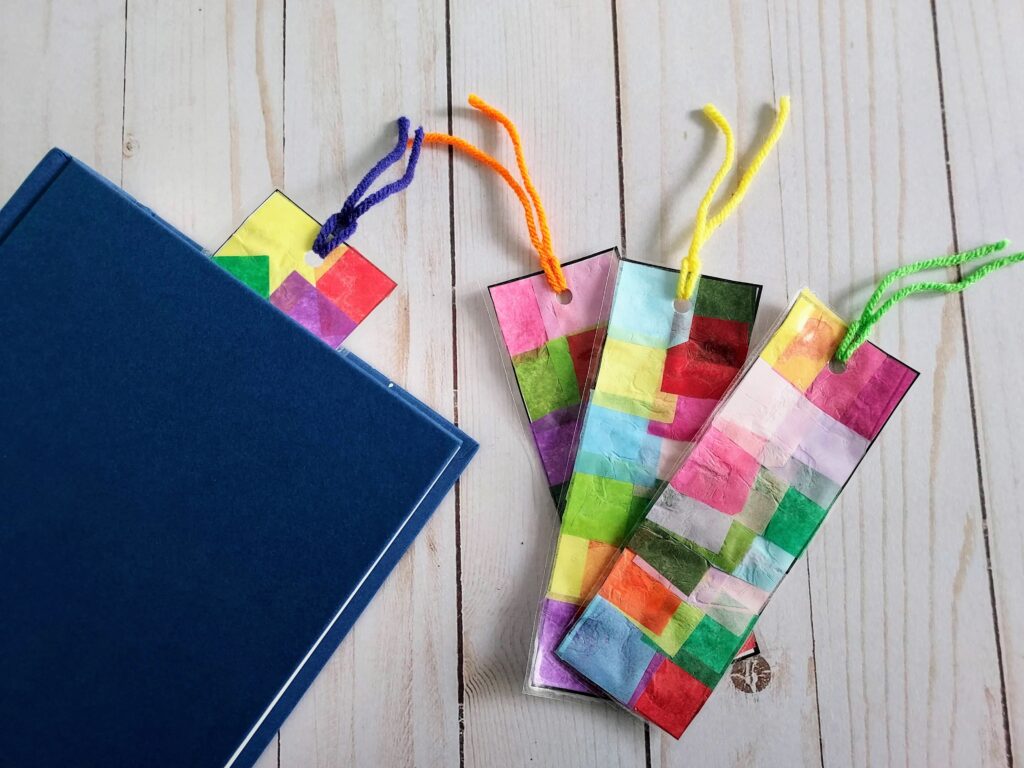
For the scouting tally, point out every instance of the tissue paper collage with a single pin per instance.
(551, 341)
(270, 252)
(653, 392)
(697, 572)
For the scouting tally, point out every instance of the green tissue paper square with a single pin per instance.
(794, 522)
(547, 378)
(726, 300)
(598, 508)
(254, 271)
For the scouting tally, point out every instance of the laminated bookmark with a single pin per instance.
(675, 342)
(551, 323)
(309, 271)
(696, 573)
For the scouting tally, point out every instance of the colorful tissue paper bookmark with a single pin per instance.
(551, 324)
(696, 574)
(308, 271)
(269, 254)
(652, 393)
(551, 346)
(675, 342)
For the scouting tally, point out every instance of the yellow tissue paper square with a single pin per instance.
(632, 371)
(661, 407)
(570, 565)
(282, 231)
(805, 342)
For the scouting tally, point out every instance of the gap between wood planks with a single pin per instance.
(1007, 738)
(459, 641)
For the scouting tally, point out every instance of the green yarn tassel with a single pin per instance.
(860, 328)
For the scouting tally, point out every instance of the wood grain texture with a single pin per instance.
(674, 58)
(61, 75)
(390, 694)
(550, 67)
(981, 65)
(202, 112)
(898, 575)
(898, 640)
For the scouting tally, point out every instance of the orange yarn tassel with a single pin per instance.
(529, 198)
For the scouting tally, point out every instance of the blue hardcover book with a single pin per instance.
(197, 497)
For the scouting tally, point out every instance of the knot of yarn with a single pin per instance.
(340, 226)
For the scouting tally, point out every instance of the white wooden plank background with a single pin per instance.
(898, 640)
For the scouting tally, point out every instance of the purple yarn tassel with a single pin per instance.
(340, 226)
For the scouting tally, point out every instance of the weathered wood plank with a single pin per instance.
(61, 78)
(981, 65)
(389, 696)
(203, 111)
(550, 67)
(902, 624)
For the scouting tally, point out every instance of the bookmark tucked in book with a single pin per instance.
(199, 496)
(308, 270)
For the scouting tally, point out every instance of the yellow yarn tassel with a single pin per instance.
(704, 227)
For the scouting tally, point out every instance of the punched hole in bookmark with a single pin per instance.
(836, 366)
(565, 297)
(682, 319)
(683, 306)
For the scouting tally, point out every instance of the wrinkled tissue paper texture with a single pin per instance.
(654, 390)
(696, 574)
(551, 347)
(328, 297)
